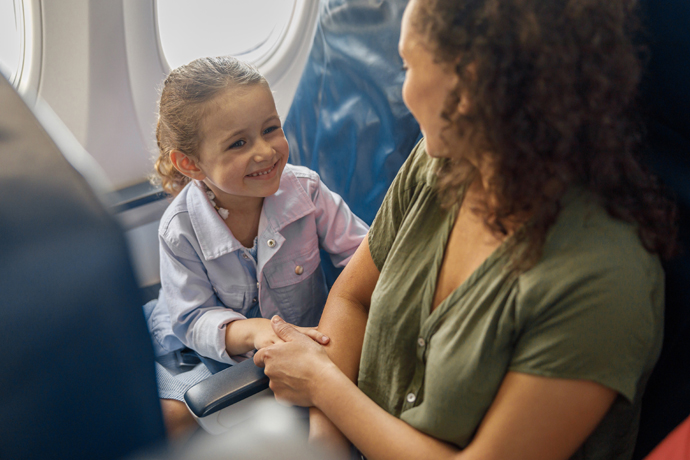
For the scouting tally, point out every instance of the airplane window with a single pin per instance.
(247, 29)
(11, 34)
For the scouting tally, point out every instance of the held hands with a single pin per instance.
(295, 363)
(265, 335)
(246, 335)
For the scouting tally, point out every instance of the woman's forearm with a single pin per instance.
(377, 434)
(344, 320)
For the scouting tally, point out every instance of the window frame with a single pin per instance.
(259, 61)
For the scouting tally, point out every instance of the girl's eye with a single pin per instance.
(237, 144)
(271, 129)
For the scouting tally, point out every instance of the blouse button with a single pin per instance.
(411, 397)
(421, 342)
(299, 270)
(271, 243)
(245, 256)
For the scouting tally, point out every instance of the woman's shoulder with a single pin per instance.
(588, 248)
(419, 167)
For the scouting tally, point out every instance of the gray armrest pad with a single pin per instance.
(225, 388)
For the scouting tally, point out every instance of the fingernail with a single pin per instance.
(325, 339)
(275, 319)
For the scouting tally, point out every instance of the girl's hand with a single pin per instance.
(295, 364)
(265, 335)
(246, 335)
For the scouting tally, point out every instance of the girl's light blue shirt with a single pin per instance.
(209, 279)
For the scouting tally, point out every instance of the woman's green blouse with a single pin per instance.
(591, 308)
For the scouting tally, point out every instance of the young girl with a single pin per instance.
(240, 242)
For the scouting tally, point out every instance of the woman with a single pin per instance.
(508, 301)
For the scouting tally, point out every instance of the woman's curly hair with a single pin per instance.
(184, 97)
(551, 87)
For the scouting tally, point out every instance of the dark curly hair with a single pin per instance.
(551, 86)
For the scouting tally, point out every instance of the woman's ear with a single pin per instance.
(186, 165)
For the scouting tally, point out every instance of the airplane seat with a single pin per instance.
(78, 375)
(666, 102)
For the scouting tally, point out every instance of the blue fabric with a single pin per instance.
(348, 121)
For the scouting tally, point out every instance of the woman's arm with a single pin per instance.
(343, 321)
(531, 417)
(339, 230)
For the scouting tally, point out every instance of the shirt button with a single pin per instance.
(245, 256)
(421, 342)
(299, 270)
(271, 243)
(257, 285)
(411, 397)
(254, 300)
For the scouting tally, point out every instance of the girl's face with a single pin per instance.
(243, 149)
(426, 87)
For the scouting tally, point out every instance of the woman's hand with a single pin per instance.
(265, 336)
(295, 366)
(246, 335)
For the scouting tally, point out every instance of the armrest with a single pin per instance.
(225, 388)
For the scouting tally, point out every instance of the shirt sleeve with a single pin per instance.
(395, 204)
(198, 317)
(593, 316)
(340, 231)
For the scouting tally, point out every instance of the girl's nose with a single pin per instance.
(263, 151)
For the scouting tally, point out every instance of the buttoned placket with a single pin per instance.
(269, 243)
(249, 261)
(412, 394)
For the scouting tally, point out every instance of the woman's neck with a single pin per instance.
(481, 202)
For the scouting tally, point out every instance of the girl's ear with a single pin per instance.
(186, 165)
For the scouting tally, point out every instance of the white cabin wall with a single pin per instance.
(84, 79)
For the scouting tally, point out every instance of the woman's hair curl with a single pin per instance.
(551, 88)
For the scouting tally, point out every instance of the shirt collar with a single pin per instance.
(290, 203)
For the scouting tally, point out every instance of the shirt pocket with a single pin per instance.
(237, 298)
(292, 269)
(298, 287)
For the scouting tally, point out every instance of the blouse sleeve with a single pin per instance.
(594, 315)
(197, 315)
(393, 210)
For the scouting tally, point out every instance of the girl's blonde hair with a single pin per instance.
(183, 100)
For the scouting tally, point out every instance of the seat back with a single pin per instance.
(666, 99)
(78, 375)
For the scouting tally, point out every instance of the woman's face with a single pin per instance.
(427, 85)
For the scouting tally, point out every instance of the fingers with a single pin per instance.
(285, 330)
(259, 357)
(315, 335)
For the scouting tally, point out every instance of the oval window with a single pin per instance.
(11, 38)
(247, 29)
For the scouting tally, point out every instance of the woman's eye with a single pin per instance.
(237, 144)
(271, 129)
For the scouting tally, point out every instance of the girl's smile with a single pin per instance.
(265, 174)
(243, 150)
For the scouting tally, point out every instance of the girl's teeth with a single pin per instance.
(261, 174)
